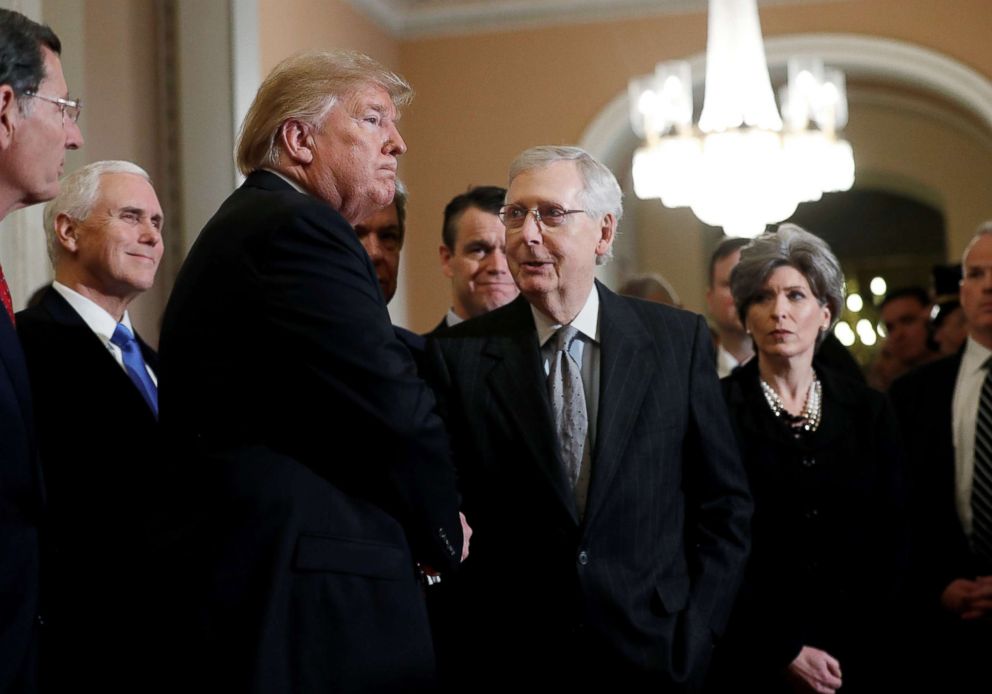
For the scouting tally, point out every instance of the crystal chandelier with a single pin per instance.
(744, 165)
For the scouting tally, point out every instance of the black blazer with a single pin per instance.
(923, 400)
(830, 534)
(317, 449)
(99, 445)
(21, 508)
(636, 592)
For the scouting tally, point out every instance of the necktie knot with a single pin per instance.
(564, 338)
(123, 338)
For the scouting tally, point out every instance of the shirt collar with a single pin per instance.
(95, 316)
(296, 186)
(587, 322)
(974, 358)
(453, 318)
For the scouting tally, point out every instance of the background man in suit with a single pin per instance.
(734, 345)
(595, 458)
(37, 125)
(105, 241)
(381, 235)
(473, 255)
(278, 356)
(906, 315)
(945, 408)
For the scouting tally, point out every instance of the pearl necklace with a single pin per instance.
(809, 418)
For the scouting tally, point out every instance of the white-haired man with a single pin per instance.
(316, 444)
(595, 459)
(94, 388)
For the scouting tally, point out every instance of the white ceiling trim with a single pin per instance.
(426, 18)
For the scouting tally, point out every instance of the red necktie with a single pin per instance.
(5, 296)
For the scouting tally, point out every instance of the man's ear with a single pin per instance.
(296, 141)
(9, 113)
(607, 230)
(445, 254)
(67, 232)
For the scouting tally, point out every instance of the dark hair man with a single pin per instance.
(473, 254)
(734, 346)
(37, 125)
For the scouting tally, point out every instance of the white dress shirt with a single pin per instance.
(964, 409)
(587, 324)
(453, 318)
(99, 321)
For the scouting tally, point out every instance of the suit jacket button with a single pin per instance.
(583, 557)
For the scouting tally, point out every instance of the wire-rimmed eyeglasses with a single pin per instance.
(547, 215)
(70, 108)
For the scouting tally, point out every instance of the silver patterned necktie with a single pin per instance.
(568, 400)
(981, 485)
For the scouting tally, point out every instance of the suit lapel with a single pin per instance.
(624, 377)
(93, 351)
(517, 382)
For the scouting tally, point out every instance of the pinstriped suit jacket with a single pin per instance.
(646, 579)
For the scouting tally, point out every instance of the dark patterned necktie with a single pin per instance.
(981, 486)
(568, 399)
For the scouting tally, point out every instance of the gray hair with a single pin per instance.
(306, 87)
(78, 193)
(795, 247)
(984, 229)
(601, 193)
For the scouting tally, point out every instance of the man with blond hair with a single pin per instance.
(324, 470)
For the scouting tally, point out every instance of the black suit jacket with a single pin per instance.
(635, 592)
(830, 543)
(21, 508)
(318, 450)
(99, 445)
(923, 400)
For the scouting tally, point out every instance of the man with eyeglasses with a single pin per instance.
(37, 125)
(595, 459)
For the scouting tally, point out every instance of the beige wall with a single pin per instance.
(288, 27)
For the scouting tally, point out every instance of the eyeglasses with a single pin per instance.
(546, 214)
(69, 107)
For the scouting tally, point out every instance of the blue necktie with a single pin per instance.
(134, 364)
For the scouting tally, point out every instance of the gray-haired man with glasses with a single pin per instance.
(33, 138)
(595, 460)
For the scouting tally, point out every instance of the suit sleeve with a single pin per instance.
(718, 505)
(322, 298)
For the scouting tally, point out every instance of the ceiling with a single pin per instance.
(422, 18)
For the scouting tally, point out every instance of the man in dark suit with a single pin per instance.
(941, 407)
(83, 357)
(473, 255)
(609, 504)
(37, 125)
(315, 445)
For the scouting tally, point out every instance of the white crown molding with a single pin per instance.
(409, 19)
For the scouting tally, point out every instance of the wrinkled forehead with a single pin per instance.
(559, 183)
(370, 96)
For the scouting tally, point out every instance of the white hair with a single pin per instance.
(78, 193)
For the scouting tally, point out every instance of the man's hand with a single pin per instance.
(814, 670)
(466, 535)
(969, 599)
